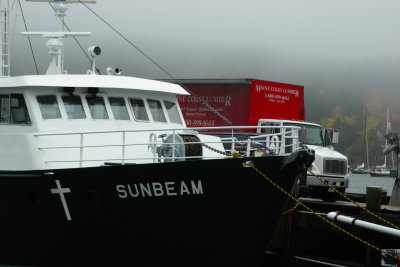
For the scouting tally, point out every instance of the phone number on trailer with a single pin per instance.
(205, 123)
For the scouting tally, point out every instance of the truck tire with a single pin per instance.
(331, 196)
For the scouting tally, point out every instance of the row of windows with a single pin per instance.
(73, 105)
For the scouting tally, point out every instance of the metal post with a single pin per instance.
(394, 146)
(173, 145)
(123, 147)
(81, 150)
(283, 139)
(248, 152)
(232, 144)
(395, 197)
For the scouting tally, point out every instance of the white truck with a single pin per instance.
(329, 164)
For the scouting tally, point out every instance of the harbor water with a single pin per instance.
(359, 182)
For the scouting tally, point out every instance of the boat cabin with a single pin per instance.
(41, 103)
(58, 121)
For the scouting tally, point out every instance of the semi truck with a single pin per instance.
(266, 103)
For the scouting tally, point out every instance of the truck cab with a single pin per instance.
(329, 164)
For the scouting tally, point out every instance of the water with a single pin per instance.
(358, 183)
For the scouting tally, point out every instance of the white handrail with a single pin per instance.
(278, 143)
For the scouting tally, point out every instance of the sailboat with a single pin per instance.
(382, 170)
(362, 169)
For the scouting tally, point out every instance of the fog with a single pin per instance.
(330, 44)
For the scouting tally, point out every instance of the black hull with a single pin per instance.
(200, 213)
(377, 174)
(359, 172)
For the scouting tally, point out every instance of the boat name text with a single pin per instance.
(159, 189)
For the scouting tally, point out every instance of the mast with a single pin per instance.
(366, 138)
(5, 40)
(55, 42)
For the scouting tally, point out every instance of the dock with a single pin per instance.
(304, 239)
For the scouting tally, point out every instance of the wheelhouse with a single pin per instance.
(52, 112)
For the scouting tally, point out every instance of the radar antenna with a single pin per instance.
(55, 44)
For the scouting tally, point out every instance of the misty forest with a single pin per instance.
(346, 110)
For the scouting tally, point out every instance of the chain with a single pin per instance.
(250, 164)
(352, 201)
(234, 154)
(215, 150)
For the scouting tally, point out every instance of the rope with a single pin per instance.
(318, 215)
(292, 209)
(352, 201)
(127, 40)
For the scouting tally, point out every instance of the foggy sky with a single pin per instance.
(331, 44)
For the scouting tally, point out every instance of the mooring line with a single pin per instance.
(352, 201)
(250, 164)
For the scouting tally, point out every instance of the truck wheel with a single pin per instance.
(331, 196)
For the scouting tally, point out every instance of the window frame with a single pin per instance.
(82, 104)
(10, 116)
(162, 109)
(144, 106)
(176, 105)
(126, 107)
(89, 106)
(58, 105)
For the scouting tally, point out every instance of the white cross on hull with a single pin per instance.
(62, 191)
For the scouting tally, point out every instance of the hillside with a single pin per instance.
(345, 109)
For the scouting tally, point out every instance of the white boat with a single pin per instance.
(101, 170)
(360, 169)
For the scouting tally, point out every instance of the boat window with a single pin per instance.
(173, 113)
(156, 110)
(118, 108)
(97, 107)
(73, 106)
(13, 109)
(49, 107)
(139, 110)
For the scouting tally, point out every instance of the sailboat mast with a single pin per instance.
(366, 138)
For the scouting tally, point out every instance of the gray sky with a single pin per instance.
(316, 43)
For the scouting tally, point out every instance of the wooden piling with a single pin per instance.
(373, 198)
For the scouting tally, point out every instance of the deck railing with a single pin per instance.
(163, 145)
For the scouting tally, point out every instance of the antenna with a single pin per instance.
(55, 44)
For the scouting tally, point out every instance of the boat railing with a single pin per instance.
(92, 148)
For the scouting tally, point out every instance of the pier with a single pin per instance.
(304, 239)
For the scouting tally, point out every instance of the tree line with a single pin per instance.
(355, 113)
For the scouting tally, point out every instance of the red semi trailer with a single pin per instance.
(242, 101)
